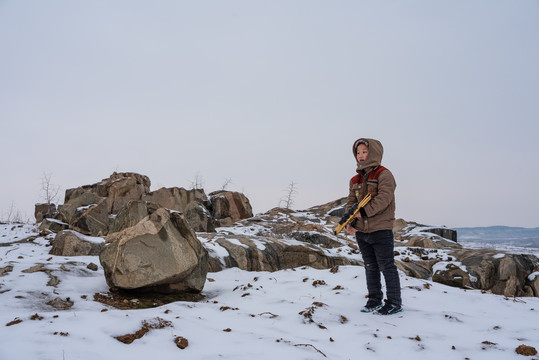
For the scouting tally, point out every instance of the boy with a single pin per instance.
(373, 226)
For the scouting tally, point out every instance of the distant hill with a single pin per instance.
(507, 235)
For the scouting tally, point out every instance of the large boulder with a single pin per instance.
(131, 214)
(452, 275)
(92, 219)
(159, 253)
(199, 217)
(43, 211)
(71, 243)
(77, 202)
(118, 188)
(175, 198)
(87, 208)
(227, 207)
(123, 187)
(52, 225)
(496, 271)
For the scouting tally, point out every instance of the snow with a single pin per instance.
(57, 221)
(92, 239)
(265, 324)
(533, 275)
(237, 242)
(82, 208)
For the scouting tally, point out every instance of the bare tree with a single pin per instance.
(198, 182)
(14, 215)
(226, 184)
(10, 212)
(288, 200)
(50, 191)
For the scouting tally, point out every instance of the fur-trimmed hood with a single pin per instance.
(374, 158)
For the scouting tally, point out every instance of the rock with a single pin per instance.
(259, 253)
(92, 220)
(417, 269)
(71, 243)
(316, 238)
(124, 187)
(330, 209)
(160, 253)
(432, 242)
(110, 194)
(199, 217)
(92, 266)
(131, 214)
(444, 232)
(78, 200)
(53, 225)
(43, 211)
(60, 304)
(175, 198)
(228, 207)
(452, 275)
(399, 225)
(534, 282)
(502, 273)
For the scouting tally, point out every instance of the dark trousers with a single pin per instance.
(377, 252)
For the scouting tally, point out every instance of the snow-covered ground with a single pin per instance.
(291, 314)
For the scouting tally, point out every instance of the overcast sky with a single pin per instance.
(269, 92)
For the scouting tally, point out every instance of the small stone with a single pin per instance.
(181, 342)
(92, 266)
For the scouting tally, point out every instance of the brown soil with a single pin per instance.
(130, 300)
(14, 322)
(181, 342)
(156, 323)
(526, 350)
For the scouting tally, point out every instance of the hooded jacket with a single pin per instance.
(379, 213)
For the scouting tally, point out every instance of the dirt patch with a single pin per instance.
(6, 270)
(526, 350)
(14, 322)
(36, 316)
(181, 342)
(156, 323)
(125, 300)
(53, 280)
(318, 283)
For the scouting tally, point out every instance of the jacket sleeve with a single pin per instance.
(386, 194)
(351, 200)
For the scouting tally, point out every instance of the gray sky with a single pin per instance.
(269, 92)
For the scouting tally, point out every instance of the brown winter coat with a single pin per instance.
(381, 209)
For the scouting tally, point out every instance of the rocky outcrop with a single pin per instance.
(92, 219)
(452, 275)
(228, 207)
(175, 198)
(43, 211)
(71, 243)
(53, 225)
(119, 188)
(432, 242)
(159, 253)
(199, 217)
(496, 271)
(443, 232)
(259, 253)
